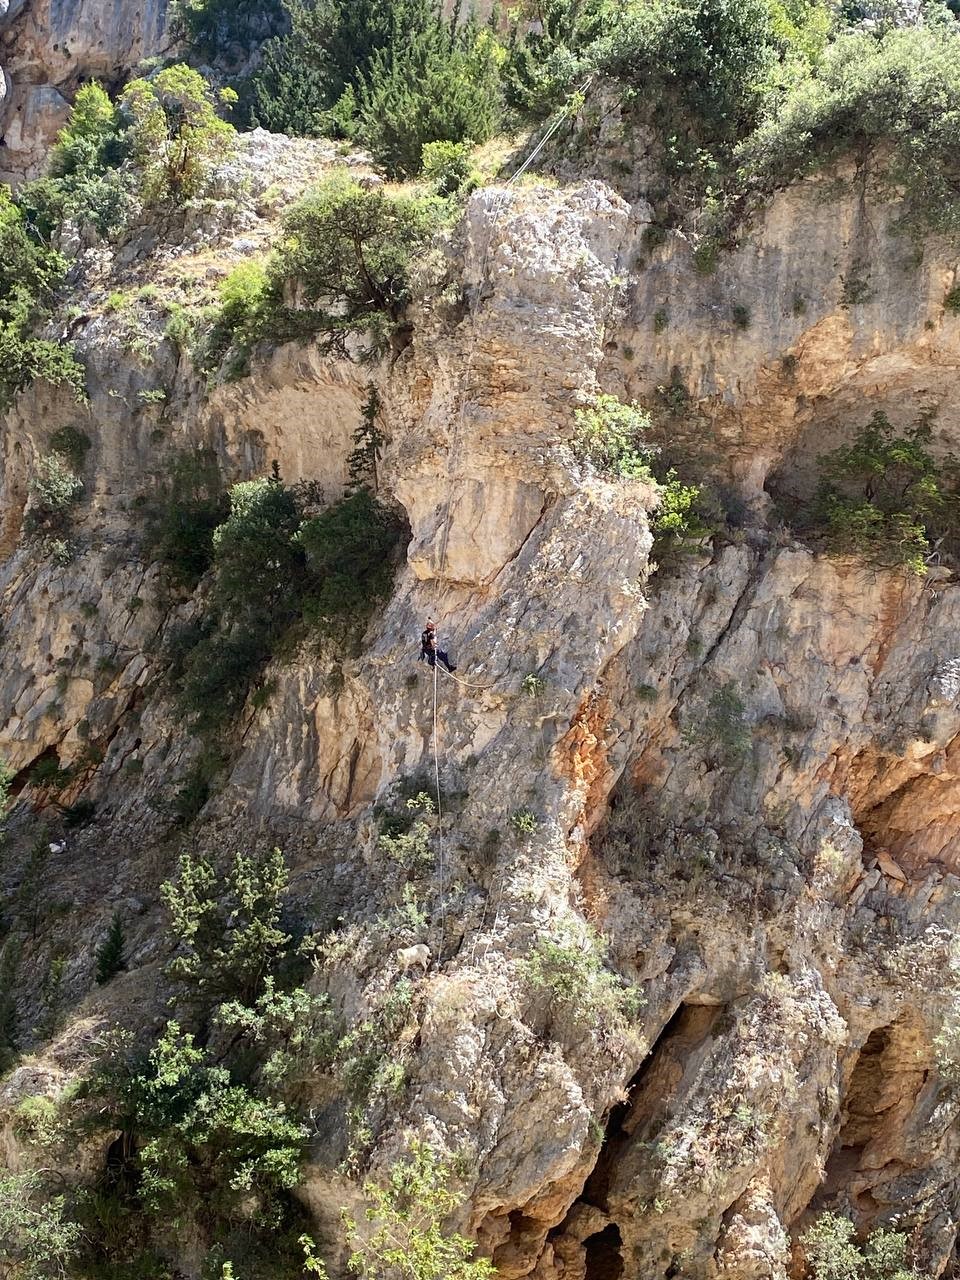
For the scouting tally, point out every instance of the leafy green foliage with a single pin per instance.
(571, 969)
(721, 729)
(346, 254)
(272, 573)
(9, 1020)
(38, 1236)
(228, 928)
(548, 44)
(175, 134)
(190, 505)
(201, 1138)
(447, 165)
(395, 74)
(892, 101)
(54, 489)
(439, 84)
(349, 552)
(368, 440)
(254, 598)
(678, 524)
(612, 437)
(885, 496)
(85, 183)
(7, 776)
(405, 1239)
(701, 64)
(30, 273)
(524, 821)
(349, 250)
(832, 1253)
(109, 956)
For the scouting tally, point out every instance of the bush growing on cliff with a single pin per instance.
(54, 489)
(190, 505)
(701, 65)
(395, 74)
(571, 969)
(39, 1236)
(341, 275)
(891, 104)
(30, 274)
(175, 133)
(612, 437)
(439, 84)
(274, 573)
(886, 497)
(831, 1252)
(404, 1238)
(350, 553)
(349, 251)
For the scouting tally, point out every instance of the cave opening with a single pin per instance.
(603, 1256)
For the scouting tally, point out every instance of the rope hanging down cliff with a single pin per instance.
(453, 447)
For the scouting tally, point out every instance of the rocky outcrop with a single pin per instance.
(739, 769)
(50, 47)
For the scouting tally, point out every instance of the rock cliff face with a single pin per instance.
(741, 769)
(50, 47)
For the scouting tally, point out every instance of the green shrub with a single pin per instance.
(439, 84)
(612, 437)
(54, 488)
(72, 444)
(887, 100)
(524, 821)
(7, 776)
(350, 252)
(952, 300)
(886, 497)
(307, 79)
(546, 58)
(404, 1238)
(832, 1253)
(30, 273)
(721, 729)
(368, 440)
(38, 1236)
(175, 134)
(447, 166)
(190, 505)
(678, 524)
(572, 970)
(246, 302)
(258, 574)
(109, 955)
(351, 554)
(700, 65)
(395, 74)
(199, 1138)
(228, 927)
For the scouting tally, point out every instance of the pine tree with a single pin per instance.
(367, 439)
(110, 958)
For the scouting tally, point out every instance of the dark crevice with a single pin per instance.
(631, 1124)
(603, 1254)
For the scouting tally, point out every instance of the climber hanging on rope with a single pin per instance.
(429, 650)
